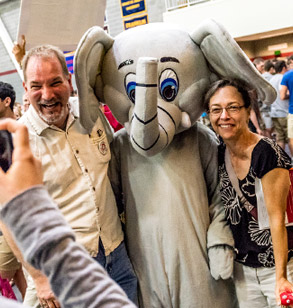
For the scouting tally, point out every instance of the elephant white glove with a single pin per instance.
(221, 260)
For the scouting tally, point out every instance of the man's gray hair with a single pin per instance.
(45, 51)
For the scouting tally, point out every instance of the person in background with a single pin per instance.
(49, 244)
(269, 70)
(75, 166)
(7, 99)
(286, 92)
(279, 109)
(255, 124)
(10, 267)
(113, 122)
(290, 62)
(25, 102)
(259, 63)
(253, 175)
(264, 109)
(17, 110)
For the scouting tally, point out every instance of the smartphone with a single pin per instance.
(6, 148)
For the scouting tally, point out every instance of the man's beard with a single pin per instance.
(53, 118)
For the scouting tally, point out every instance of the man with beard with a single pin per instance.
(75, 166)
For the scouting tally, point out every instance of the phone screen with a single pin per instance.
(6, 148)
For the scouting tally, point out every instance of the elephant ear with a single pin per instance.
(227, 59)
(88, 61)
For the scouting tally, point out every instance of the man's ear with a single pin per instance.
(70, 82)
(24, 86)
(7, 101)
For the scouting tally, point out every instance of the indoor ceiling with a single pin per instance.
(264, 35)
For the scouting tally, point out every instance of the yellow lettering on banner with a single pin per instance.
(127, 3)
(132, 7)
(130, 2)
(135, 23)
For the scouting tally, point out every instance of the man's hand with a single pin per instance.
(19, 50)
(25, 171)
(45, 295)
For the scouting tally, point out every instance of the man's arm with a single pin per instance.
(254, 121)
(284, 93)
(42, 284)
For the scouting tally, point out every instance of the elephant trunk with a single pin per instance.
(153, 126)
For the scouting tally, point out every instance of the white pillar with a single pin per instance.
(9, 45)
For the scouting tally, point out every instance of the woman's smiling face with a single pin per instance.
(231, 122)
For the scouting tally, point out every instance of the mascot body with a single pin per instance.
(164, 163)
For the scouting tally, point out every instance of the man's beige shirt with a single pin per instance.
(75, 167)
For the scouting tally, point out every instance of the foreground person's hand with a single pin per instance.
(25, 171)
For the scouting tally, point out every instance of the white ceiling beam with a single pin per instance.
(6, 39)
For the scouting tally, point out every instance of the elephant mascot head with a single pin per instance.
(153, 78)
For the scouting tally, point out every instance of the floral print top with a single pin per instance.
(253, 246)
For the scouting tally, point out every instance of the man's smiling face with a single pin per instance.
(48, 89)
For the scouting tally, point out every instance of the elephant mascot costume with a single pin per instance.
(164, 163)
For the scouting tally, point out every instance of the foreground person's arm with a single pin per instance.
(48, 244)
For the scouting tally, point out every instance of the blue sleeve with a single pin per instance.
(284, 81)
(47, 242)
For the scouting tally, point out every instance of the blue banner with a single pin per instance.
(130, 7)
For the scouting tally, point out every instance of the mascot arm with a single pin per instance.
(219, 232)
(114, 173)
(220, 240)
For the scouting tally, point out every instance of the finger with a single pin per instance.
(56, 303)
(51, 303)
(42, 303)
(23, 41)
(15, 49)
(10, 124)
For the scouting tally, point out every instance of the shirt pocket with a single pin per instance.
(99, 141)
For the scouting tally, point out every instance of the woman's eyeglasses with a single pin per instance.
(216, 111)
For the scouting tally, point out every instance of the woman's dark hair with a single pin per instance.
(242, 87)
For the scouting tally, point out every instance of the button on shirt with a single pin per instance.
(75, 166)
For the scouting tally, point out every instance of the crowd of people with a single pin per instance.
(37, 248)
(273, 121)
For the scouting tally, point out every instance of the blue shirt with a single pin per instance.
(288, 82)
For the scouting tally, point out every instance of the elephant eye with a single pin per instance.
(169, 85)
(130, 85)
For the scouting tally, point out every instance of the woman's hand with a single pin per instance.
(282, 285)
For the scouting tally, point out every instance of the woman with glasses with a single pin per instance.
(254, 176)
